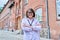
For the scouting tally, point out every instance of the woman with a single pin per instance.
(30, 26)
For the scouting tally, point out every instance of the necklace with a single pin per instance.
(31, 22)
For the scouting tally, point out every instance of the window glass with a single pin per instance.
(39, 14)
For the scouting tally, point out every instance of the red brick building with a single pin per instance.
(10, 14)
(46, 13)
(48, 16)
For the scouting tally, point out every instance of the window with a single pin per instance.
(9, 11)
(6, 23)
(26, 2)
(17, 10)
(39, 14)
(58, 8)
(10, 24)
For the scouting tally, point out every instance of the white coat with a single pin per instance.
(29, 34)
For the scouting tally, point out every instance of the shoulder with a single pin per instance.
(24, 19)
(36, 19)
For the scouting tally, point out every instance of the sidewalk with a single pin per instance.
(7, 35)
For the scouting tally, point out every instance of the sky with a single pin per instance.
(2, 2)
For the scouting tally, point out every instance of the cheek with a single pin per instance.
(32, 15)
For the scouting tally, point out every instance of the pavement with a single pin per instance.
(8, 35)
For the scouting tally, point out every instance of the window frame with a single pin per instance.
(57, 17)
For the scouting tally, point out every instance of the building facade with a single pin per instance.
(10, 15)
(4, 16)
(47, 12)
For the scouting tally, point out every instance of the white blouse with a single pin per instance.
(30, 34)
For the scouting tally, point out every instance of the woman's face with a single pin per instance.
(30, 14)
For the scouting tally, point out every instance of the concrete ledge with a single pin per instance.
(8, 35)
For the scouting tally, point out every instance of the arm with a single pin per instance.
(37, 26)
(25, 27)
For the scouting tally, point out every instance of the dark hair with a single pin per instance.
(31, 10)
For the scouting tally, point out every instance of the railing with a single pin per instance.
(44, 31)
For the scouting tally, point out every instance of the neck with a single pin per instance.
(30, 18)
